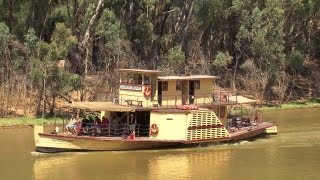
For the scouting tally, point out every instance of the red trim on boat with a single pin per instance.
(205, 126)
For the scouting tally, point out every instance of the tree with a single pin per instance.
(50, 79)
(260, 38)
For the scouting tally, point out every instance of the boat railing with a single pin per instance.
(221, 95)
(176, 100)
(114, 130)
(235, 123)
(171, 101)
(126, 99)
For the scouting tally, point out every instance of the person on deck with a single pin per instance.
(105, 122)
(72, 126)
(132, 123)
(103, 125)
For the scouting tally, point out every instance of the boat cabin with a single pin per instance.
(145, 88)
(138, 87)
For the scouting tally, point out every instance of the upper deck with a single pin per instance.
(147, 89)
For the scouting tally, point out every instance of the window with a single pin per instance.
(146, 80)
(164, 85)
(197, 84)
(137, 79)
(178, 85)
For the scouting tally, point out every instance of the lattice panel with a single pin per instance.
(201, 120)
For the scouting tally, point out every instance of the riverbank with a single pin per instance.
(29, 121)
(312, 103)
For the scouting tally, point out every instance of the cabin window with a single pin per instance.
(164, 85)
(197, 84)
(178, 85)
(132, 79)
(146, 80)
(137, 79)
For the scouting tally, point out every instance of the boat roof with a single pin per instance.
(101, 106)
(146, 71)
(242, 99)
(192, 77)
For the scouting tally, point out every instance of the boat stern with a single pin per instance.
(271, 130)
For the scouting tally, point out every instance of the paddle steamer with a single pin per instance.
(168, 111)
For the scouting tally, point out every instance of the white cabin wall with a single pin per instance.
(174, 129)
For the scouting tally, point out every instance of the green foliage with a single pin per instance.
(31, 40)
(261, 33)
(297, 60)
(62, 81)
(61, 41)
(222, 60)
(175, 56)
(5, 36)
(10, 51)
(293, 105)
(44, 62)
(26, 121)
(109, 29)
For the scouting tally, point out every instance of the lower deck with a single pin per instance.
(236, 134)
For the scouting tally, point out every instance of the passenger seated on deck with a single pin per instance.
(102, 125)
(72, 126)
(105, 122)
(87, 124)
(97, 121)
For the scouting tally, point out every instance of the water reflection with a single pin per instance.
(181, 164)
(185, 165)
(54, 167)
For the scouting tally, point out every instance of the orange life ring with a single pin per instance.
(147, 91)
(154, 129)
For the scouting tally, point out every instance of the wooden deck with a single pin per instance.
(250, 131)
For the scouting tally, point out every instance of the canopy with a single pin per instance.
(101, 106)
(146, 71)
(242, 100)
(192, 77)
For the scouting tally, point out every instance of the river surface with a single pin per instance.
(292, 154)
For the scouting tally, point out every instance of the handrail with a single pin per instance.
(114, 130)
(175, 100)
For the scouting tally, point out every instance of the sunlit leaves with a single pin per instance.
(222, 59)
(175, 56)
(62, 40)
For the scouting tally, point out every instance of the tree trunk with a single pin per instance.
(87, 34)
(10, 14)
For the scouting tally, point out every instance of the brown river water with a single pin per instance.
(292, 154)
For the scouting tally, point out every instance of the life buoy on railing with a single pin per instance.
(147, 91)
(223, 97)
(154, 129)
